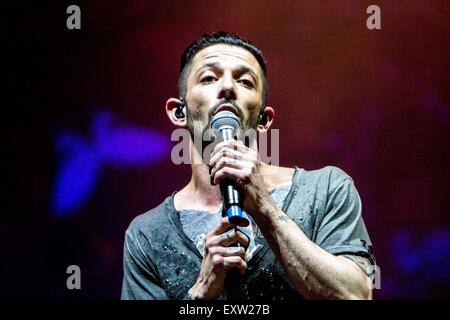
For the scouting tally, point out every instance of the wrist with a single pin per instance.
(196, 292)
(267, 209)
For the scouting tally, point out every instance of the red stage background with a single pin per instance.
(372, 102)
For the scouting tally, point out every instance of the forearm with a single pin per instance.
(314, 272)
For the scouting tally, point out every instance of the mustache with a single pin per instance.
(225, 101)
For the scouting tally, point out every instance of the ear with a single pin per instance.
(270, 115)
(171, 106)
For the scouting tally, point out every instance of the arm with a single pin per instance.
(140, 279)
(314, 272)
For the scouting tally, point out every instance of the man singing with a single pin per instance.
(306, 238)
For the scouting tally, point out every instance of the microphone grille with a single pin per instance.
(225, 119)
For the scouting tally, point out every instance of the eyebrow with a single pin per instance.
(241, 68)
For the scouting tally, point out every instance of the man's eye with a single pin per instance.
(246, 82)
(207, 79)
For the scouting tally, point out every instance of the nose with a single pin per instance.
(227, 89)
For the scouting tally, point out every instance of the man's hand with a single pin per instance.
(232, 159)
(218, 258)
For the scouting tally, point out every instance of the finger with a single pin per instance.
(232, 144)
(244, 240)
(224, 239)
(228, 251)
(231, 237)
(238, 175)
(222, 227)
(225, 152)
(234, 262)
(227, 162)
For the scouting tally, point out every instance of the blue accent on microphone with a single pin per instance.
(237, 217)
(234, 211)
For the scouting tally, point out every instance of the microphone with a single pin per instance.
(226, 123)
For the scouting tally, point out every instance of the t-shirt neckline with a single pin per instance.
(174, 218)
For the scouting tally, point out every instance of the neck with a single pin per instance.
(199, 193)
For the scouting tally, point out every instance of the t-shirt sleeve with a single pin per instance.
(140, 280)
(342, 229)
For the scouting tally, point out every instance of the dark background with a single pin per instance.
(84, 114)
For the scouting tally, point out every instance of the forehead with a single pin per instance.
(226, 55)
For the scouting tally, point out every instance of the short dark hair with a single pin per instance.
(220, 37)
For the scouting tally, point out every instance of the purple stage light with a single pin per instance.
(111, 145)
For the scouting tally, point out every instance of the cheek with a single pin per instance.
(253, 106)
(202, 96)
(199, 101)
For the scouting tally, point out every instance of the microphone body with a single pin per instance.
(225, 123)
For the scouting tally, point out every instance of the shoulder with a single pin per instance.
(329, 176)
(152, 221)
(324, 181)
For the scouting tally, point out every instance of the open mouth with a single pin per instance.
(227, 107)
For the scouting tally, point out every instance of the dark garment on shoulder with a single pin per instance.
(161, 262)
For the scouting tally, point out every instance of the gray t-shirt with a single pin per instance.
(162, 262)
(196, 224)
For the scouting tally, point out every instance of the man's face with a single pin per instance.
(223, 77)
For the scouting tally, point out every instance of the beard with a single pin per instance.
(199, 124)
